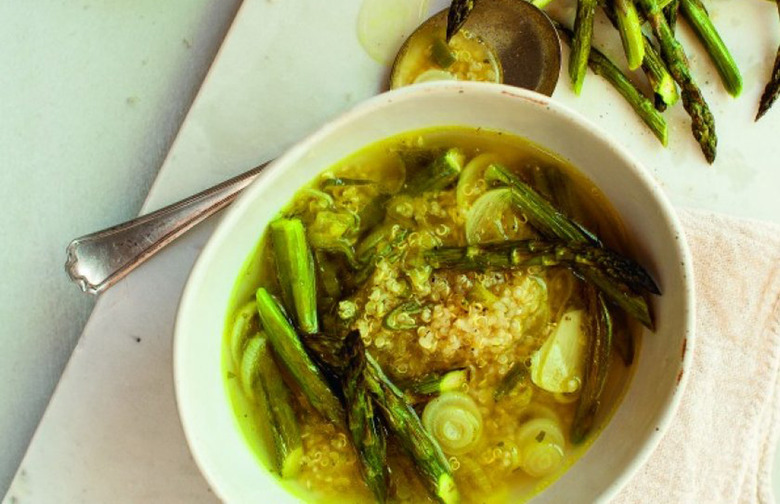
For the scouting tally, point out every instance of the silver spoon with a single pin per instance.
(525, 42)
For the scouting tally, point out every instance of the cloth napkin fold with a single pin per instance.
(720, 446)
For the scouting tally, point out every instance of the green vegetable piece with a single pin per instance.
(401, 419)
(437, 383)
(671, 11)
(516, 375)
(630, 30)
(438, 175)
(293, 357)
(455, 422)
(442, 54)
(284, 425)
(364, 425)
(295, 270)
(700, 21)
(596, 367)
(702, 120)
(456, 16)
(581, 45)
(644, 108)
(400, 318)
(540, 212)
(481, 294)
(772, 89)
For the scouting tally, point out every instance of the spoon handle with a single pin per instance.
(99, 260)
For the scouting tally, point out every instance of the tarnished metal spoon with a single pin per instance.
(524, 41)
(522, 37)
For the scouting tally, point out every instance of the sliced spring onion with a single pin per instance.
(541, 447)
(471, 184)
(455, 422)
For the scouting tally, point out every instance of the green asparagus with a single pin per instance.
(772, 89)
(596, 367)
(284, 426)
(364, 425)
(630, 32)
(580, 47)
(671, 11)
(293, 357)
(645, 108)
(457, 14)
(442, 172)
(295, 269)
(699, 19)
(401, 419)
(702, 121)
(436, 383)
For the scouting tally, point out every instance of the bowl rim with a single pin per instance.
(254, 190)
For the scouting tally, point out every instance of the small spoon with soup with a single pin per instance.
(502, 41)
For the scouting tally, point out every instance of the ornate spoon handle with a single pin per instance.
(99, 260)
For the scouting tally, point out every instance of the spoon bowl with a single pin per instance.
(521, 37)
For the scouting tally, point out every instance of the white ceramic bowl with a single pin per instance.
(647, 408)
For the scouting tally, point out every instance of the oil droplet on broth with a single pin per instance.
(384, 25)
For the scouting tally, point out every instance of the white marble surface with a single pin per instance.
(98, 93)
(92, 94)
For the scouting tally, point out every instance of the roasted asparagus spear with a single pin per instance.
(293, 357)
(295, 269)
(772, 89)
(630, 29)
(581, 44)
(645, 108)
(699, 19)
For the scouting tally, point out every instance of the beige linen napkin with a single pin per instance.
(720, 446)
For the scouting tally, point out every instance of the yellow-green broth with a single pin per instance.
(453, 330)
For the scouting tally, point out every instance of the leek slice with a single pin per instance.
(558, 365)
(455, 422)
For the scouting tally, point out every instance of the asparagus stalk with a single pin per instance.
(671, 11)
(456, 16)
(284, 426)
(619, 278)
(295, 270)
(596, 367)
(580, 47)
(702, 121)
(517, 374)
(540, 212)
(364, 425)
(645, 108)
(630, 32)
(772, 89)
(401, 419)
(697, 16)
(661, 81)
(293, 357)
(438, 175)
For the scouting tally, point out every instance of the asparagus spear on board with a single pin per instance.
(295, 269)
(596, 366)
(699, 19)
(653, 66)
(580, 47)
(364, 425)
(293, 357)
(456, 16)
(630, 29)
(702, 121)
(601, 65)
(400, 417)
(772, 89)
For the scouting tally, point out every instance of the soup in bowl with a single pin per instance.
(453, 293)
